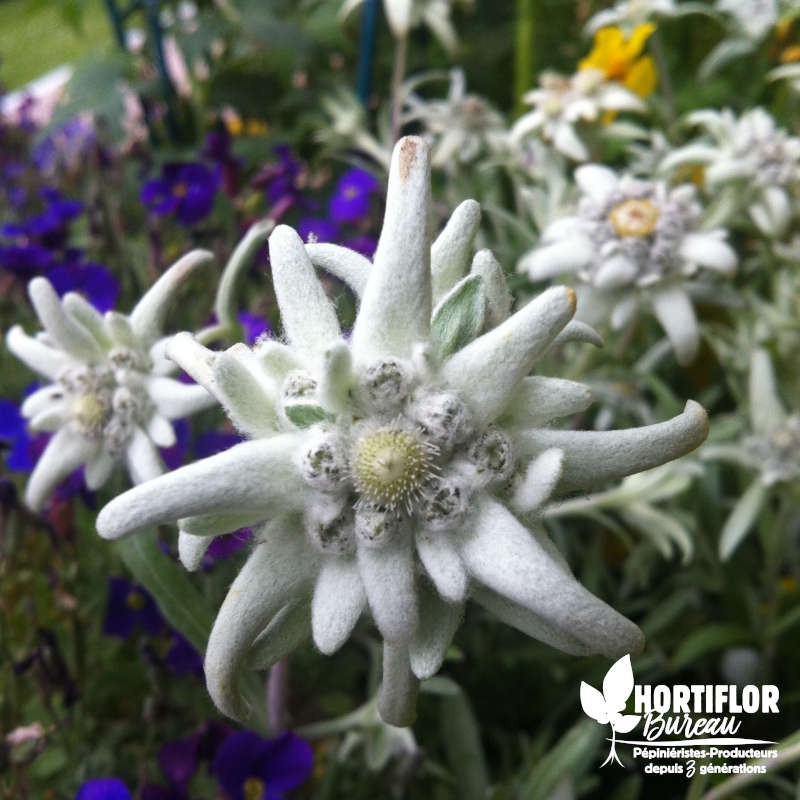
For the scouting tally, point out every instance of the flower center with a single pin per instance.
(91, 412)
(135, 600)
(634, 217)
(253, 789)
(390, 467)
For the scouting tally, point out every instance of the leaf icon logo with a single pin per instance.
(606, 708)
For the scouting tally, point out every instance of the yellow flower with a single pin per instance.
(619, 58)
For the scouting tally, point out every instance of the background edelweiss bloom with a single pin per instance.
(619, 57)
(110, 398)
(403, 15)
(633, 241)
(394, 470)
(461, 127)
(562, 102)
(772, 448)
(748, 163)
(629, 14)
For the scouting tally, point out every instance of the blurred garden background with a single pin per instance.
(134, 132)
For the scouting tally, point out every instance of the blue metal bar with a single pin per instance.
(366, 49)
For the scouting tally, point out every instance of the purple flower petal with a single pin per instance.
(253, 326)
(318, 230)
(103, 789)
(94, 281)
(182, 658)
(213, 442)
(288, 764)
(174, 456)
(130, 606)
(178, 759)
(351, 199)
(185, 189)
(280, 764)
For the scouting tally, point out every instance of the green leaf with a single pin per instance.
(741, 518)
(570, 757)
(463, 745)
(709, 639)
(95, 87)
(180, 602)
(303, 415)
(458, 318)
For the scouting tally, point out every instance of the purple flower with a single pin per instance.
(182, 658)
(351, 199)
(129, 607)
(213, 442)
(178, 759)
(103, 789)
(366, 245)
(48, 227)
(94, 281)
(281, 179)
(173, 456)
(25, 259)
(318, 230)
(15, 438)
(249, 767)
(218, 149)
(185, 189)
(254, 326)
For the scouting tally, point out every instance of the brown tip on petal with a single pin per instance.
(407, 155)
(572, 297)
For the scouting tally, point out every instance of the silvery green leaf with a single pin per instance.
(741, 519)
(458, 319)
(303, 415)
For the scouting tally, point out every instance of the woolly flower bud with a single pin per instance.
(298, 384)
(375, 526)
(443, 419)
(492, 455)
(323, 463)
(328, 531)
(444, 501)
(385, 385)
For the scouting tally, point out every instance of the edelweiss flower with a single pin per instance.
(403, 15)
(461, 127)
(561, 103)
(392, 470)
(633, 241)
(749, 163)
(110, 399)
(773, 448)
(629, 14)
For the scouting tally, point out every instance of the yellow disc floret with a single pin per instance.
(390, 467)
(253, 789)
(91, 412)
(634, 217)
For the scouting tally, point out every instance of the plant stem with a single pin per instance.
(398, 73)
(523, 51)
(277, 696)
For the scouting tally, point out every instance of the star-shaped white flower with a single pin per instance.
(460, 127)
(772, 449)
(633, 242)
(561, 104)
(396, 471)
(109, 399)
(749, 163)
